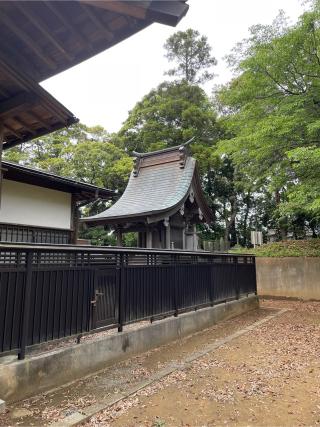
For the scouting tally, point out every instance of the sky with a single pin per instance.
(103, 89)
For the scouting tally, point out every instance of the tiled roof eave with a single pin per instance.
(148, 216)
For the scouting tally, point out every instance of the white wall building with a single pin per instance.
(40, 207)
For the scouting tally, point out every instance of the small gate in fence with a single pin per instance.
(52, 292)
(105, 305)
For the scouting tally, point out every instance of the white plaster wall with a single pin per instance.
(26, 204)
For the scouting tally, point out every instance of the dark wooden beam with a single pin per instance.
(167, 12)
(37, 96)
(4, 93)
(132, 9)
(11, 130)
(119, 236)
(24, 125)
(10, 72)
(90, 11)
(74, 30)
(18, 60)
(74, 220)
(1, 150)
(26, 39)
(43, 28)
(23, 139)
(15, 104)
(1, 140)
(39, 120)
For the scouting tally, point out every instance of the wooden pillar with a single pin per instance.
(184, 236)
(119, 236)
(163, 237)
(195, 238)
(1, 150)
(143, 239)
(168, 233)
(149, 238)
(1, 139)
(74, 220)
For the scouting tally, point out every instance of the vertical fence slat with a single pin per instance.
(121, 283)
(26, 306)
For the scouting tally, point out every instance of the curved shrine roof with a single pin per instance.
(160, 182)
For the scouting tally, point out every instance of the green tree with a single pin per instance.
(272, 111)
(170, 115)
(192, 54)
(99, 236)
(304, 193)
(80, 152)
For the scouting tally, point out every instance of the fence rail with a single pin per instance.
(51, 292)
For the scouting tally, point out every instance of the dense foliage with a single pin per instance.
(290, 248)
(79, 152)
(169, 115)
(272, 108)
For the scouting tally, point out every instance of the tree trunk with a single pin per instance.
(245, 222)
(282, 229)
(230, 222)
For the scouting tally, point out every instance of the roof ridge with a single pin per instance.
(154, 153)
(180, 147)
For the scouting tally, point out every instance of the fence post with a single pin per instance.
(93, 302)
(121, 299)
(211, 283)
(237, 284)
(26, 306)
(174, 283)
(255, 275)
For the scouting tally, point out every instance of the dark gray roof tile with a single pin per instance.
(160, 184)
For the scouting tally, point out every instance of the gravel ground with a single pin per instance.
(269, 376)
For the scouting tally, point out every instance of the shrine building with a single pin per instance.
(163, 202)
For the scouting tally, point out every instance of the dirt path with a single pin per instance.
(269, 376)
(112, 381)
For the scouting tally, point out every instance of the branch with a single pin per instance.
(286, 90)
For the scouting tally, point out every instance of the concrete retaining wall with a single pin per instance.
(294, 277)
(35, 374)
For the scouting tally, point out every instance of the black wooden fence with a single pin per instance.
(51, 292)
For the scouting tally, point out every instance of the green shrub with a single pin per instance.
(289, 248)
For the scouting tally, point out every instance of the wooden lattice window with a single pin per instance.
(23, 234)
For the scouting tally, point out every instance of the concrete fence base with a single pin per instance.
(39, 373)
(294, 277)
